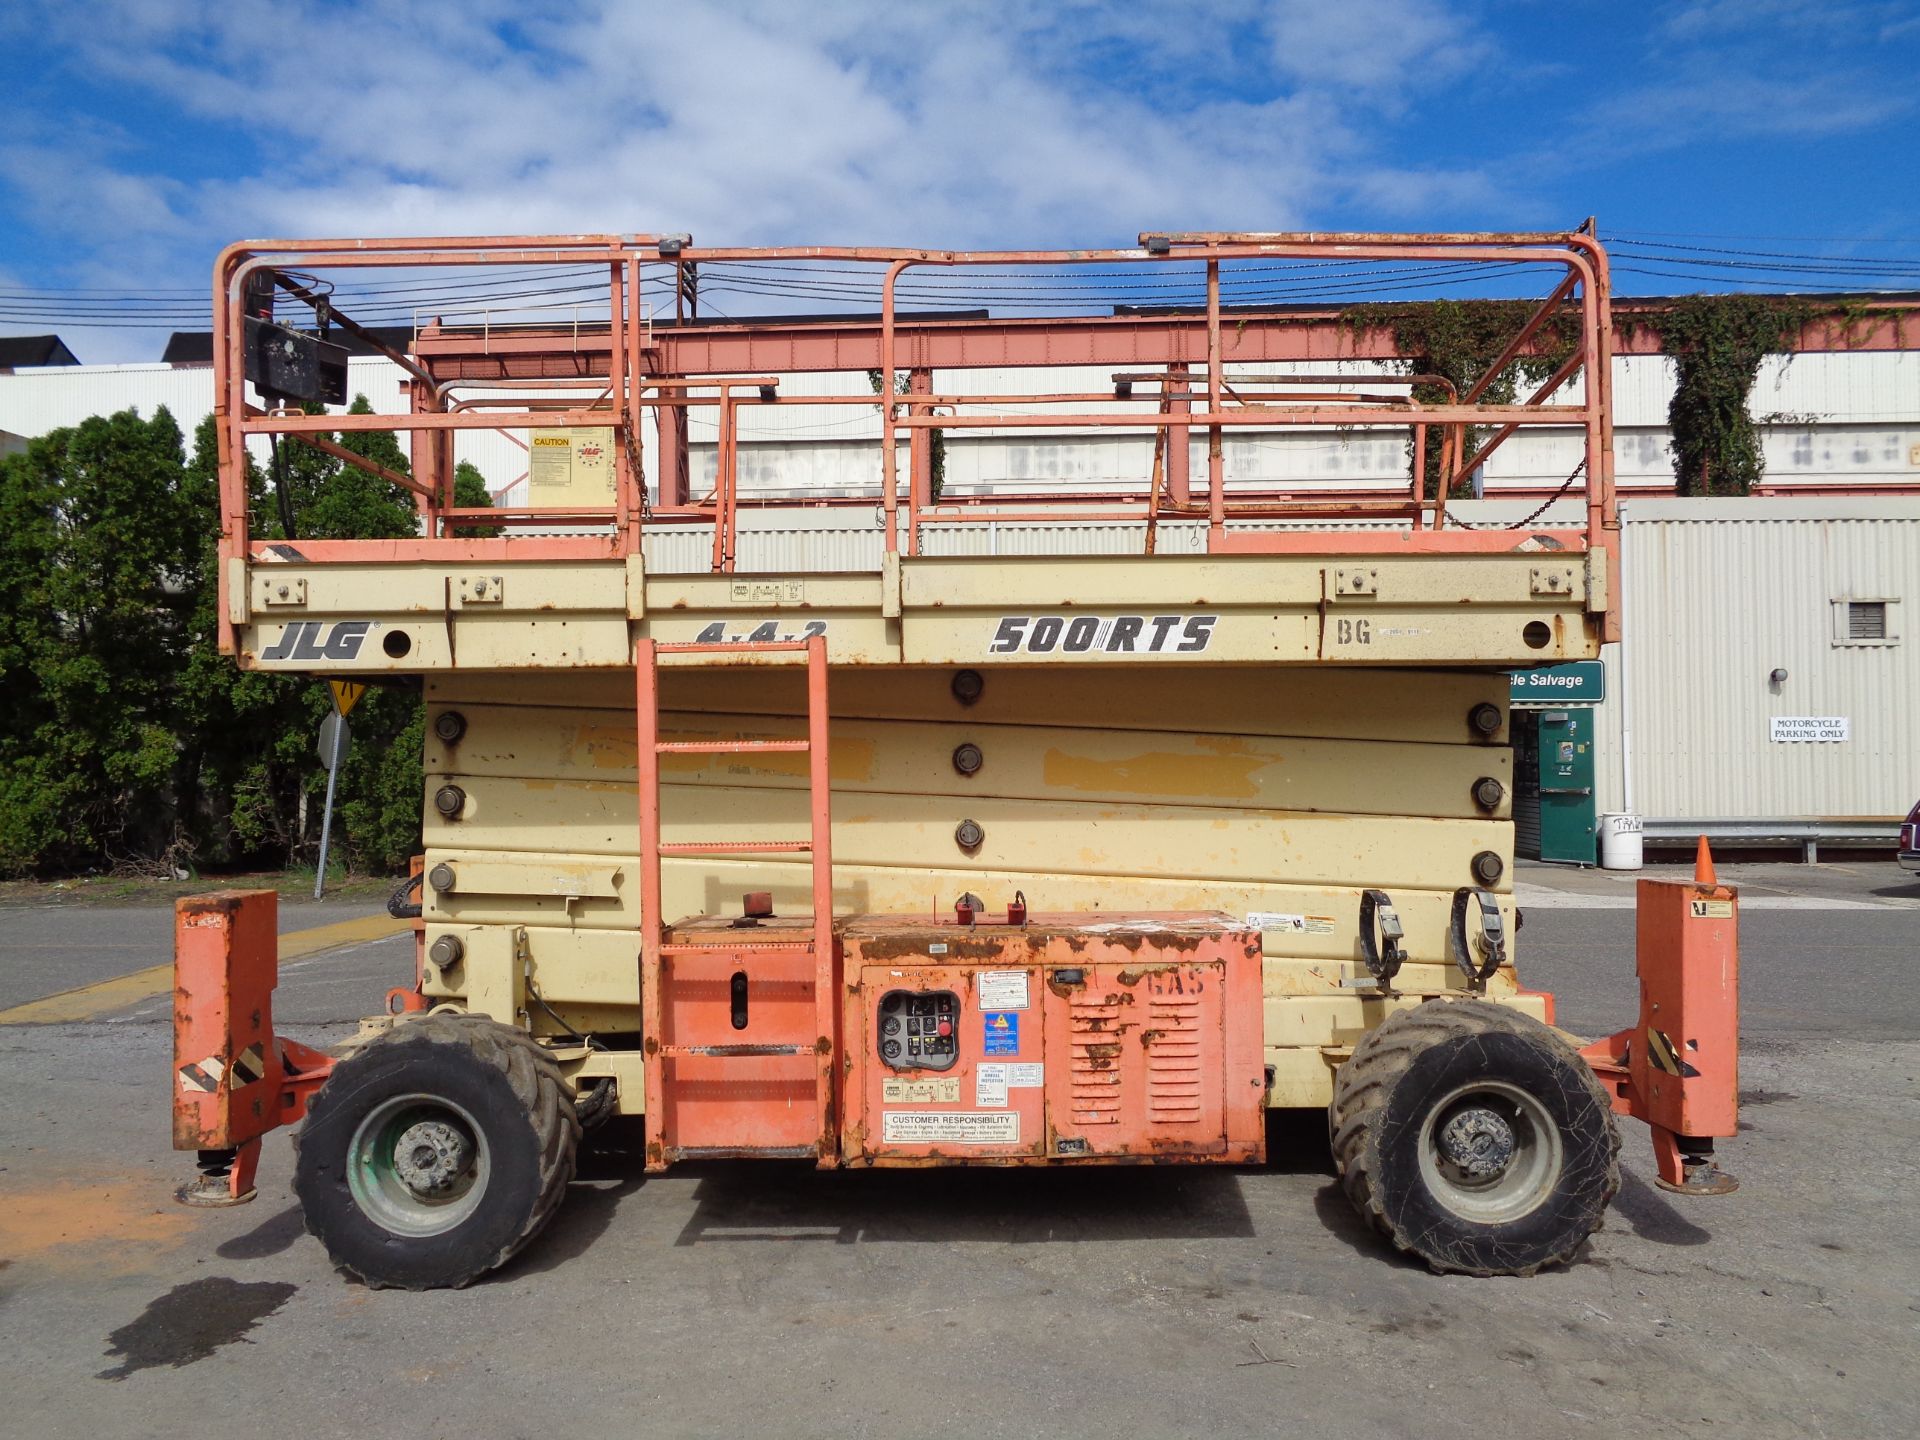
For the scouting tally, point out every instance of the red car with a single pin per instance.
(1910, 841)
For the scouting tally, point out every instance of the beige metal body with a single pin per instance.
(1311, 708)
(1270, 774)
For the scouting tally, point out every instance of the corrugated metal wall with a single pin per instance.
(1719, 594)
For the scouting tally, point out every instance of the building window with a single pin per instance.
(1866, 621)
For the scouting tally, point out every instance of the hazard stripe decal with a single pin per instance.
(1663, 1055)
(249, 1067)
(205, 1076)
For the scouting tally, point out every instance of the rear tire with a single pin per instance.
(1473, 1136)
(435, 1152)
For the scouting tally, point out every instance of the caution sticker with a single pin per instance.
(924, 1127)
(1288, 924)
(1712, 909)
(1002, 989)
(1003, 1033)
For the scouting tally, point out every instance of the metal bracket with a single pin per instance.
(281, 590)
(1355, 582)
(482, 589)
(1491, 941)
(1550, 580)
(1382, 952)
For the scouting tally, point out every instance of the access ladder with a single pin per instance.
(739, 1021)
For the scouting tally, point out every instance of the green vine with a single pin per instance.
(1459, 340)
(1717, 343)
(937, 446)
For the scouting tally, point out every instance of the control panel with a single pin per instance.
(1081, 1038)
(919, 1030)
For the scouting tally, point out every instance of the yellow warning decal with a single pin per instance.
(346, 694)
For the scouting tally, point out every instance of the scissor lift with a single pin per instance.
(1129, 816)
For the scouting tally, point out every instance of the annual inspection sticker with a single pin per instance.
(1003, 1032)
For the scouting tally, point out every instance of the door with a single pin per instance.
(1566, 786)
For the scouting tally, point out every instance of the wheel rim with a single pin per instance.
(1490, 1152)
(418, 1165)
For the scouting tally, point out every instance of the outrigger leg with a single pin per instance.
(234, 1079)
(1678, 1068)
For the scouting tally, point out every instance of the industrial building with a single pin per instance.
(1765, 691)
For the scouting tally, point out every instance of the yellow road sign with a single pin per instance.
(346, 694)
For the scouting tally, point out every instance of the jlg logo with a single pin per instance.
(1103, 634)
(314, 640)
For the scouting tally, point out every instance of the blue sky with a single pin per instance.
(137, 136)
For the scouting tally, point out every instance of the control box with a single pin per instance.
(1069, 1038)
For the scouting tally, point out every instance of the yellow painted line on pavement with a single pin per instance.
(89, 1002)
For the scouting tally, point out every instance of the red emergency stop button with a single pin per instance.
(946, 1027)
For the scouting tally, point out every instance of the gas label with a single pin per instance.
(944, 1091)
(1103, 634)
(922, 1127)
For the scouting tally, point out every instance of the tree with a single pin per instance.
(99, 636)
(126, 736)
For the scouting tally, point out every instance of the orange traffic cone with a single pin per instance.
(1703, 865)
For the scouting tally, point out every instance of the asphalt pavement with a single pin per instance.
(735, 1299)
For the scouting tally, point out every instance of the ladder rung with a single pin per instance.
(738, 847)
(727, 747)
(798, 947)
(735, 1052)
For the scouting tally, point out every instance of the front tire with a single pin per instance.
(1473, 1136)
(435, 1152)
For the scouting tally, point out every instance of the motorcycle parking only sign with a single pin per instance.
(1790, 729)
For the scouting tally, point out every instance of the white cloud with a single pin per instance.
(1025, 123)
(1381, 47)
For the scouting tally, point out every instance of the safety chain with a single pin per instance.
(1565, 485)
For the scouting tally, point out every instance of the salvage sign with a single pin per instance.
(1103, 634)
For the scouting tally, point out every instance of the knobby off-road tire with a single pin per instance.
(1423, 1113)
(435, 1152)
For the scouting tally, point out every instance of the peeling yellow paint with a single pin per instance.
(1229, 774)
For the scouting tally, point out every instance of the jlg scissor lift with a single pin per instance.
(817, 827)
